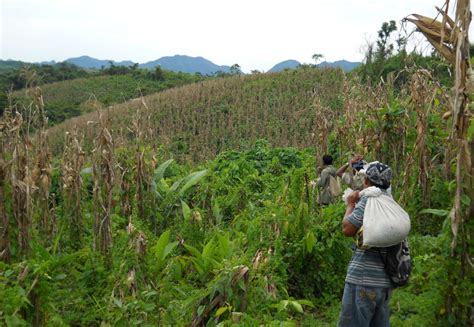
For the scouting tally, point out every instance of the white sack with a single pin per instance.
(385, 221)
(346, 194)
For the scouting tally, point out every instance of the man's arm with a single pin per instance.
(348, 228)
(342, 169)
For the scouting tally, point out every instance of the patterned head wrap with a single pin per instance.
(379, 174)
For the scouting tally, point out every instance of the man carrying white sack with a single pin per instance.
(367, 286)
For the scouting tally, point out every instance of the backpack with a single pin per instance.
(334, 186)
(397, 263)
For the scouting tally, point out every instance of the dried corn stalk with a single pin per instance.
(103, 174)
(42, 171)
(423, 96)
(71, 166)
(6, 128)
(450, 38)
(22, 185)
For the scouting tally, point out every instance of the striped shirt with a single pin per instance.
(366, 267)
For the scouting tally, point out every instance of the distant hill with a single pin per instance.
(287, 64)
(177, 63)
(89, 62)
(347, 66)
(186, 64)
(71, 98)
(7, 65)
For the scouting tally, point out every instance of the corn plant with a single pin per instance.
(42, 171)
(71, 166)
(103, 173)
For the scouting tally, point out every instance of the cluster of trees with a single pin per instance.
(389, 55)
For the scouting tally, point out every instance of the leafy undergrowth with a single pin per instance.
(237, 241)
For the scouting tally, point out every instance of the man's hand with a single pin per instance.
(355, 158)
(353, 198)
(319, 169)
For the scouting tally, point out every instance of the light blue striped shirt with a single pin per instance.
(366, 267)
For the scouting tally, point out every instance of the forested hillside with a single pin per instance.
(196, 206)
(74, 97)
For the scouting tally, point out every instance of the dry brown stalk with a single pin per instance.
(5, 131)
(103, 174)
(71, 166)
(42, 171)
(456, 49)
(22, 184)
(423, 96)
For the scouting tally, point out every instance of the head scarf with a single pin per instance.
(379, 174)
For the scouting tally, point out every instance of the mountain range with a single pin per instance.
(189, 64)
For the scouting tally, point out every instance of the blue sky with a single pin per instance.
(256, 34)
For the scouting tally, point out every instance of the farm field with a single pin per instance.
(191, 201)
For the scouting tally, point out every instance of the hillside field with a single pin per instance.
(196, 205)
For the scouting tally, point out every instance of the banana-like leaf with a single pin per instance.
(192, 179)
(297, 306)
(186, 210)
(195, 252)
(160, 171)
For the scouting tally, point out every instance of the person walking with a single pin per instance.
(367, 286)
(323, 182)
(352, 177)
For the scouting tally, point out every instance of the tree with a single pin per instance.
(158, 75)
(235, 69)
(317, 57)
(385, 49)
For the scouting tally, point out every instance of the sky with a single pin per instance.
(256, 34)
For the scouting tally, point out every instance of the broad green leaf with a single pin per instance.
(216, 210)
(198, 265)
(310, 241)
(224, 244)
(118, 302)
(436, 212)
(195, 252)
(186, 211)
(160, 171)
(465, 200)
(192, 179)
(306, 302)
(221, 310)
(209, 250)
(14, 321)
(159, 248)
(297, 306)
(174, 187)
(170, 247)
(200, 309)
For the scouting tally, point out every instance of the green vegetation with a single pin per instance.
(196, 206)
(198, 121)
(68, 89)
(68, 99)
